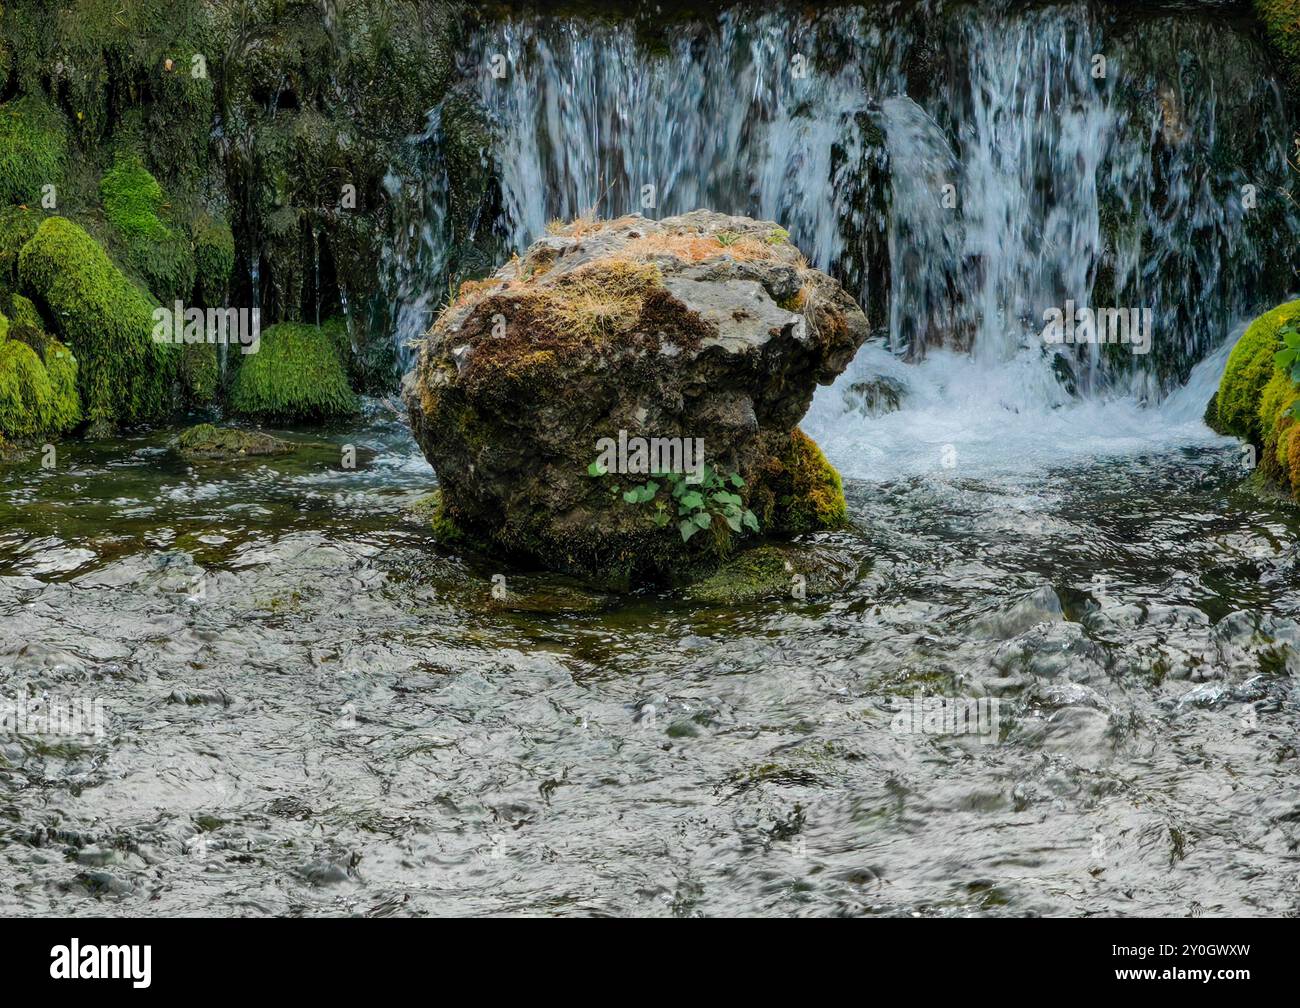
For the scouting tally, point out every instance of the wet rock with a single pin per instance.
(704, 332)
(876, 396)
(206, 441)
(793, 571)
(329, 870)
(1041, 606)
(1053, 651)
(196, 698)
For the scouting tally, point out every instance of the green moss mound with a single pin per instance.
(65, 407)
(296, 375)
(205, 441)
(754, 574)
(33, 146)
(34, 400)
(799, 491)
(133, 201)
(124, 376)
(1236, 406)
(41, 396)
(24, 390)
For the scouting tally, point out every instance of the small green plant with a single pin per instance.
(694, 506)
(1288, 358)
(726, 238)
(778, 235)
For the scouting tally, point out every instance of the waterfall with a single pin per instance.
(413, 261)
(961, 168)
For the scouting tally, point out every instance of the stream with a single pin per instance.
(311, 708)
(307, 706)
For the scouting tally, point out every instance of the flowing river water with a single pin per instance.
(310, 707)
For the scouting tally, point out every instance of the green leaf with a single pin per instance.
(733, 523)
(687, 529)
(737, 482)
(632, 496)
(693, 501)
(752, 523)
(661, 519)
(724, 498)
(595, 469)
(703, 520)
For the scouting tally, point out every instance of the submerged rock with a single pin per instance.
(796, 572)
(621, 403)
(1040, 606)
(205, 441)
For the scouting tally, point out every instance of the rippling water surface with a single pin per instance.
(311, 708)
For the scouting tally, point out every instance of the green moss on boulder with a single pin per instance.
(558, 400)
(1250, 367)
(205, 441)
(796, 572)
(124, 376)
(798, 491)
(33, 146)
(200, 373)
(133, 202)
(36, 398)
(296, 375)
(16, 229)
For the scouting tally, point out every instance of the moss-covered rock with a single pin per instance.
(693, 334)
(205, 441)
(124, 375)
(1236, 405)
(133, 203)
(200, 374)
(296, 375)
(792, 571)
(1254, 402)
(33, 146)
(17, 225)
(36, 398)
(797, 490)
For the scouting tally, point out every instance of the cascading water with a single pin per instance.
(962, 169)
(413, 262)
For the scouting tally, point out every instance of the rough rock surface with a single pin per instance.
(205, 441)
(698, 326)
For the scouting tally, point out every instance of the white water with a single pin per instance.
(1037, 150)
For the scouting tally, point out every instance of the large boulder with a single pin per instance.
(530, 393)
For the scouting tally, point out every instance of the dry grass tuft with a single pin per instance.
(695, 248)
(602, 299)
